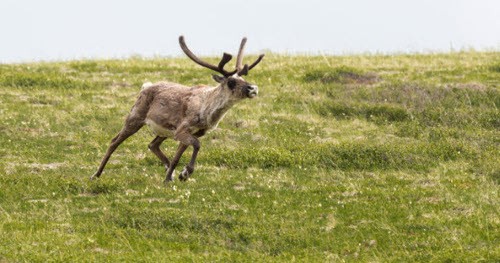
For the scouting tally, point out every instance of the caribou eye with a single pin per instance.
(231, 83)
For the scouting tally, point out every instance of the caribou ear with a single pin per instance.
(217, 78)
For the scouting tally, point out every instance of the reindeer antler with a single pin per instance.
(243, 69)
(220, 68)
(239, 58)
(240, 68)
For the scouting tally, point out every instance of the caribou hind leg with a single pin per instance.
(133, 123)
(126, 132)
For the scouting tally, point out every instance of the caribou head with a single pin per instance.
(232, 81)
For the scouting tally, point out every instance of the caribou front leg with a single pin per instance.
(189, 169)
(186, 139)
(154, 147)
(170, 171)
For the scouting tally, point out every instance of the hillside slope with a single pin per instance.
(355, 158)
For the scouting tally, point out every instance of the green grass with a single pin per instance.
(349, 158)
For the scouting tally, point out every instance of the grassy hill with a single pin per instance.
(345, 158)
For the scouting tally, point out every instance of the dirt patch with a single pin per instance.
(469, 86)
(45, 166)
(38, 201)
(343, 75)
(120, 84)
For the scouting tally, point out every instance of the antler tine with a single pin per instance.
(256, 62)
(246, 68)
(239, 58)
(243, 71)
(226, 58)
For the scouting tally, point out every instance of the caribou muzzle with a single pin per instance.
(251, 90)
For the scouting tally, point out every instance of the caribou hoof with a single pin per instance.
(186, 173)
(168, 180)
(94, 177)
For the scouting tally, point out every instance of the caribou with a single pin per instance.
(184, 113)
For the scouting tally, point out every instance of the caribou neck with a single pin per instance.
(217, 102)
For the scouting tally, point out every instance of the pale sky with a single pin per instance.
(34, 30)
